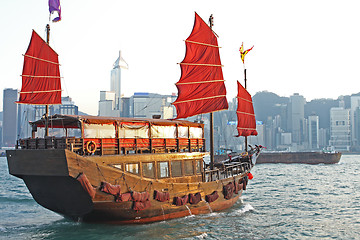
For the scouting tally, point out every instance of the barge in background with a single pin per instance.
(299, 157)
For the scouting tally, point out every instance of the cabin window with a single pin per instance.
(163, 169)
(132, 168)
(183, 132)
(196, 132)
(133, 130)
(119, 166)
(188, 167)
(198, 166)
(176, 170)
(148, 170)
(99, 130)
(163, 131)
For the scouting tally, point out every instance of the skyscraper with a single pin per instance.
(313, 122)
(355, 105)
(110, 101)
(296, 117)
(9, 117)
(115, 84)
(340, 128)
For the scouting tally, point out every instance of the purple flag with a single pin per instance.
(54, 6)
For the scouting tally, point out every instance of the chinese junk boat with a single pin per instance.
(129, 170)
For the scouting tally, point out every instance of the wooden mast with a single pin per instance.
(246, 142)
(47, 106)
(211, 18)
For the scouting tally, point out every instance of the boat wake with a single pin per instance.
(246, 208)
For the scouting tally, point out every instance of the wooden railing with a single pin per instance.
(228, 170)
(107, 146)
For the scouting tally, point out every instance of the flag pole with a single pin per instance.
(242, 55)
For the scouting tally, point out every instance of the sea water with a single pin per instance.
(282, 201)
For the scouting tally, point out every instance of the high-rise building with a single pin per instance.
(147, 105)
(313, 123)
(9, 117)
(110, 101)
(296, 118)
(355, 105)
(340, 129)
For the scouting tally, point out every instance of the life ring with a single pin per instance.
(90, 146)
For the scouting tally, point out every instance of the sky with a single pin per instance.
(310, 47)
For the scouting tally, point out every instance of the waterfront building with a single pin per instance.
(354, 120)
(340, 137)
(10, 123)
(147, 105)
(107, 104)
(313, 134)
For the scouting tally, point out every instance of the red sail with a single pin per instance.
(245, 113)
(201, 88)
(41, 83)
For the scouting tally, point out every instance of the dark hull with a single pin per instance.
(299, 157)
(50, 176)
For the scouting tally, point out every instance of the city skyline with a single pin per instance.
(306, 47)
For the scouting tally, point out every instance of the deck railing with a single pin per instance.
(228, 170)
(107, 146)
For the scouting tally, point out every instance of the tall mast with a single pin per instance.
(211, 19)
(242, 55)
(47, 106)
(246, 140)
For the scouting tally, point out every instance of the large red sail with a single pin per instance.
(201, 88)
(41, 83)
(245, 113)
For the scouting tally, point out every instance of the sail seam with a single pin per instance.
(202, 64)
(198, 99)
(205, 44)
(40, 59)
(200, 82)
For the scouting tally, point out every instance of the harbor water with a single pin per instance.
(282, 201)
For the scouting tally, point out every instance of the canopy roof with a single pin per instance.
(75, 121)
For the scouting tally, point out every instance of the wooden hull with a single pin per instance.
(299, 157)
(50, 176)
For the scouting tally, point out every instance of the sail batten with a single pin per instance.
(197, 99)
(41, 81)
(205, 44)
(201, 87)
(245, 113)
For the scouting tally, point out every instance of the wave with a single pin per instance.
(202, 236)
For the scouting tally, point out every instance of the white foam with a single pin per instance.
(202, 236)
(246, 208)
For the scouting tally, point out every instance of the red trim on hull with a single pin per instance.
(215, 207)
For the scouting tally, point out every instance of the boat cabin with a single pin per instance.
(93, 135)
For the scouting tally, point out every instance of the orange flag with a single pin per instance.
(243, 53)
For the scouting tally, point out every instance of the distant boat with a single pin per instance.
(129, 170)
(299, 157)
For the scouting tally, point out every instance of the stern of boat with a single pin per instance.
(46, 175)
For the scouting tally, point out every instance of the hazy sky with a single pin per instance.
(311, 47)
